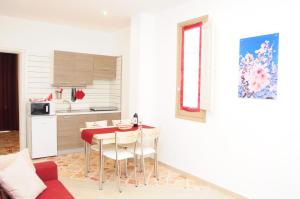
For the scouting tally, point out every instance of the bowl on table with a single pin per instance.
(124, 126)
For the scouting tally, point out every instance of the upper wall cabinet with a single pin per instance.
(105, 67)
(79, 69)
(83, 69)
(64, 65)
(73, 69)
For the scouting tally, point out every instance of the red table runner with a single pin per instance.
(88, 134)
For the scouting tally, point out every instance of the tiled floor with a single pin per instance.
(72, 166)
(9, 142)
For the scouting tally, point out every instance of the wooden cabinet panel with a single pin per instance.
(67, 142)
(73, 69)
(67, 131)
(66, 125)
(105, 67)
(109, 117)
(86, 118)
(84, 69)
(79, 69)
(64, 65)
(68, 128)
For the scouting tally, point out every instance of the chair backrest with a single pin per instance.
(96, 124)
(149, 137)
(127, 137)
(124, 121)
(149, 133)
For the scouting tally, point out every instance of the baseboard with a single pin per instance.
(68, 151)
(207, 183)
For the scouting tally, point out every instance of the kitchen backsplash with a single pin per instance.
(39, 79)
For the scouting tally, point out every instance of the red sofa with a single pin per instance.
(47, 171)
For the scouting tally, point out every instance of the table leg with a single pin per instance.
(141, 164)
(100, 164)
(143, 167)
(126, 164)
(88, 149)
(85, 160)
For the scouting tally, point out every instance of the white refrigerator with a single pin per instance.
(42, 135)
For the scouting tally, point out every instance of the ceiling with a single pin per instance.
(84, 13)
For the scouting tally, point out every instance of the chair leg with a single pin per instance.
(88, 157)
(100, 165)
(156, 166)
(103, 169)
(154, 159)
(119, 176)
(85, 159)
(135, 165)
(126, 165)
(143, 166)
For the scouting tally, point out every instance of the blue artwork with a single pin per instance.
(259, 67)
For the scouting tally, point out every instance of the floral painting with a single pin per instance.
(258, 67)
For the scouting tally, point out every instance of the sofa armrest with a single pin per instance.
(46, 170)
(3, 194)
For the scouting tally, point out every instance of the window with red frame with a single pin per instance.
(189, 69)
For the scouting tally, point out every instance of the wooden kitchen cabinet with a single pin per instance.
(68, 128)
(67, 132)
(105, 67)
(109, 117)
(86, 118)
(83, 69)
(72, 69)
(64, 63)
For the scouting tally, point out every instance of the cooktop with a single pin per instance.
(104, 108)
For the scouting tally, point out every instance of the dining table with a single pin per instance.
(101, 136)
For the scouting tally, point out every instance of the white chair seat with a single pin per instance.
(146, 150)
(122, 154)
(105, 147)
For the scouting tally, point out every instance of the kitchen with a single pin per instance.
(86, 87)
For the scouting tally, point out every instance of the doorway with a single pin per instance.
(9, 103)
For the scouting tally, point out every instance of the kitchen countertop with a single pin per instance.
(83, 112)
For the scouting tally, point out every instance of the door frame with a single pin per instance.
(21, 90)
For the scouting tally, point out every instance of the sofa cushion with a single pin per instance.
(5, 160)
(55, 189)
(19, 180)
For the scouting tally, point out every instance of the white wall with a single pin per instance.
(247, 146)
(39, 79)
(37, 41)
(40, 36)
(142, 67)
(121, 45)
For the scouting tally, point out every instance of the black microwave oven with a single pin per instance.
(41, 108)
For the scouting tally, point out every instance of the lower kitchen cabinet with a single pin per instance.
(68, 128)
(109, 117)
(66, 132)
